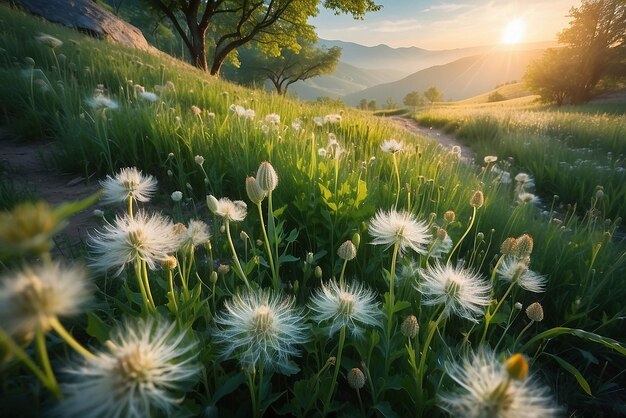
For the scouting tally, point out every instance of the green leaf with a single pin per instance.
(574, 372)
(585, 335)
(385, 409)
(400, 305)
(227, 387)
(287, 258)
(97, 328)
(361, 193)
(68, 209)
(279, 211)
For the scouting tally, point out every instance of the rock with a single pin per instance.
(86, 16)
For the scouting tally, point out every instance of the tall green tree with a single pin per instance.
(413, 99)
(229, 24)
(594, 47)
(290, 67)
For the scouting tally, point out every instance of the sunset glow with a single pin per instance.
(513, 32)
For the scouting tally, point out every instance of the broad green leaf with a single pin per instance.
(68, 209)
(361, 193)
(574, 372)
(228, 386)
(585, 335)
(97, 328)
(385, 409)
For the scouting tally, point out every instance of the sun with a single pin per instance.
(513, 32)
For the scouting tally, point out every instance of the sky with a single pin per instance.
(437, 25)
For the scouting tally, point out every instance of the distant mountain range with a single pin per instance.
(366, 71)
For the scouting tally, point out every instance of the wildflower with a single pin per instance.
(332, 118)
(170, 263)
(524, 182)
(318, 272)
(318, 121)
(516, 271)
(322, 152)
(442, 244)
(34, 297)
(347, 251)
(296, 125)
(523, 246)
(177, 196)
(261, 328)
(345, 305)
(273, 118)
(223, 269)
(487, 390)
(456, 151)
(231, 211)
(490, 159)
(49, 41)
(517, 367)
(196, 110)
(460, 290)
(527, 198)
(399, 228)
(410, 327)
(197, 233)
(266, 177)
(145, 367)
(449, 216)
(249, 114)
(356, 378)
(28, 227)
(99, 101)
(148, 96)
(149, 238)
(534, 312)
(128, 183)
(199, 159)
(392, 146)
(477, 200)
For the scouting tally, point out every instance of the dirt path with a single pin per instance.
(29, 164)
(446, 140)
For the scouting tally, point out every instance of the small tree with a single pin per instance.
(363, 104)
(372, 105)
(290, 67)
(496, 96)
(433, 95)
(390, 103)
(414, 99)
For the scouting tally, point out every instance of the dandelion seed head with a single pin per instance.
(199, 159)
(461, 291)
(232, 211)
(515, 270)
(128, 183)
(144, 368)
(49, 41)
(490, 159)
(34, 296)
(486, 390)
(349, 305)
(392, 146)
(392, 227)
(177, 196)
(356, 378)
(534, 311)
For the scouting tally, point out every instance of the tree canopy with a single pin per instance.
(219, 27)
(433, 95)
(594, 48)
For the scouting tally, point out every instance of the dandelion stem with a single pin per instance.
(69, 338)
(391, 305)
(420, 369)
(238, 268)
(342, 340)
(397, 173)
(42, 353)
(489, 315)
(130, 207)
(522, 333)
(142, 289)
(343, 271)
(469, 227)
(253, 399)
(271, 224)
(24, 358)
(268, 248)
(171, 280)
(147, 285)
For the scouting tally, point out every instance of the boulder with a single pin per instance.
(86, 16)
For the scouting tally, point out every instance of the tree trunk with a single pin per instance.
(198, 54)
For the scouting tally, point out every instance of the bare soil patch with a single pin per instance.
(30, 164)
(444, 139)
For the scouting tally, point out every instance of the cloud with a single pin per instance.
(389, 26)
(446, 7)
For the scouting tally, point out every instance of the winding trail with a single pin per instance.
(446, 140)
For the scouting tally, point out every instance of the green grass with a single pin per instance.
(321, 202)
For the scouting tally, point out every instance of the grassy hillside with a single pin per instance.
(347, 277)
(461, 79)
(508, 92)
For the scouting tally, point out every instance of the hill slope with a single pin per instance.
(461, 79)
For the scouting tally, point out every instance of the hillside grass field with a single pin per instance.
(362, 271)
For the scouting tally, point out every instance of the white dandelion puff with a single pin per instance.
(461, 291)
(487, 391)
(345, 305)
(129, 182)
(33, 297)
(177, 196)
(149, 238)
(514, 270)
(261, 328)
(144, 369)
(100, 101)
(231, 211)
(392, 146)
(392, 227)
(49, 40)
(197, 233)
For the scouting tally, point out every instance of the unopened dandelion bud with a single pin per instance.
(267, 177)
(356, 378)
(199, 159)
(523, 246)
(449, 216)
(507, 246)
(518, 306)
(318, 272)
(309, 258)
(410, 327)
(356, 240)
(431, 217)
(331, 361)
(441, 234)
(212, 203)
(222, 229)
(223, 268)
(477, 200)
(170, 173)
(29, 61)
(170, 263)
(480, 236)
(255, 193)
(347, 251)
(517, 367)
(213, 277)
(599, 194)
(244, 236)
(535, 312)
(177, 196)
(259, 243)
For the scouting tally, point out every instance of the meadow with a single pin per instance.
(255, 255)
